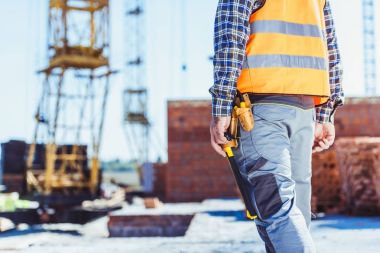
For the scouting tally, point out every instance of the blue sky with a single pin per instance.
(23, 43)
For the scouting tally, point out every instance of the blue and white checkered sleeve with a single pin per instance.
(231, 33)
(335, 69)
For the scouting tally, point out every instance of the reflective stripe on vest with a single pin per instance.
(276, 26)
(288, 61)
(287, 50)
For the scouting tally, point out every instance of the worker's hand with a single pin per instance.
(324, 136)
(218, 127)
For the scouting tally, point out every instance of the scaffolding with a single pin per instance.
(369, 38)
(135, 120)
(64, 155)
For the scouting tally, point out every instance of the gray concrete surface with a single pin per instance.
(218, 227)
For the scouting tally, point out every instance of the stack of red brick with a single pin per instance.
(148, 225)
(326, 183)
(331, 169)
(358, 117)
(359, 160)
(195, 172)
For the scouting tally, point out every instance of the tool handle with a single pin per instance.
(228, 136)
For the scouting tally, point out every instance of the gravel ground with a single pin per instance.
(219, 226)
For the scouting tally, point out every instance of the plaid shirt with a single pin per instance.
(231, 34)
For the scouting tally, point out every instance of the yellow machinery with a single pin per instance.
(64, 155)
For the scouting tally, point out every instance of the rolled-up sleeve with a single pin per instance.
(231, 33)
(335, 69)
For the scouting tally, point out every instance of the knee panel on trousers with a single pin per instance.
(266, 195)
(272, 193)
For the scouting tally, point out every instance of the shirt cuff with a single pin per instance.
(221, 107)
(323, 112)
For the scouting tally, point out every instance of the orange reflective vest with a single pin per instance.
(287, 50)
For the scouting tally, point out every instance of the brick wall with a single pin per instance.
(195, 172)
(159, 180)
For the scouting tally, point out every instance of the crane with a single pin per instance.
(135, 120)
(63, 160)
(369, 41)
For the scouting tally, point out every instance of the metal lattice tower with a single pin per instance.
(135, 120)
(64, 155)
(369, 38)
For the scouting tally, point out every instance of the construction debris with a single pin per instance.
(116, 201)
(10, 202)
(152, 203)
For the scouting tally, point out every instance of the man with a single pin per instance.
(284, 55)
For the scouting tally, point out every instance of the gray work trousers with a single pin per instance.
(275, 163)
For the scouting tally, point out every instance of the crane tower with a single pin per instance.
(369, 37)
(64, 155)
(135, 119)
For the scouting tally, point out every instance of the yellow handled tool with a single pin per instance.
(238, 177)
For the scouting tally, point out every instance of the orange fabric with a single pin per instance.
(296, 11)
(295, 78)
(288, 79)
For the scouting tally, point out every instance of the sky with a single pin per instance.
(172, 37)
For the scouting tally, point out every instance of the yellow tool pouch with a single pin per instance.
(244, 113)
(245, 117)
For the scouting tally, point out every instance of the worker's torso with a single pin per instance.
(287, 50)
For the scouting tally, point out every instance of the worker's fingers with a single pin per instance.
(219, 135)
(317, 149)
(316, 146)
(218, 149)
(323, 144)
(219, 125)
(330, 140)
